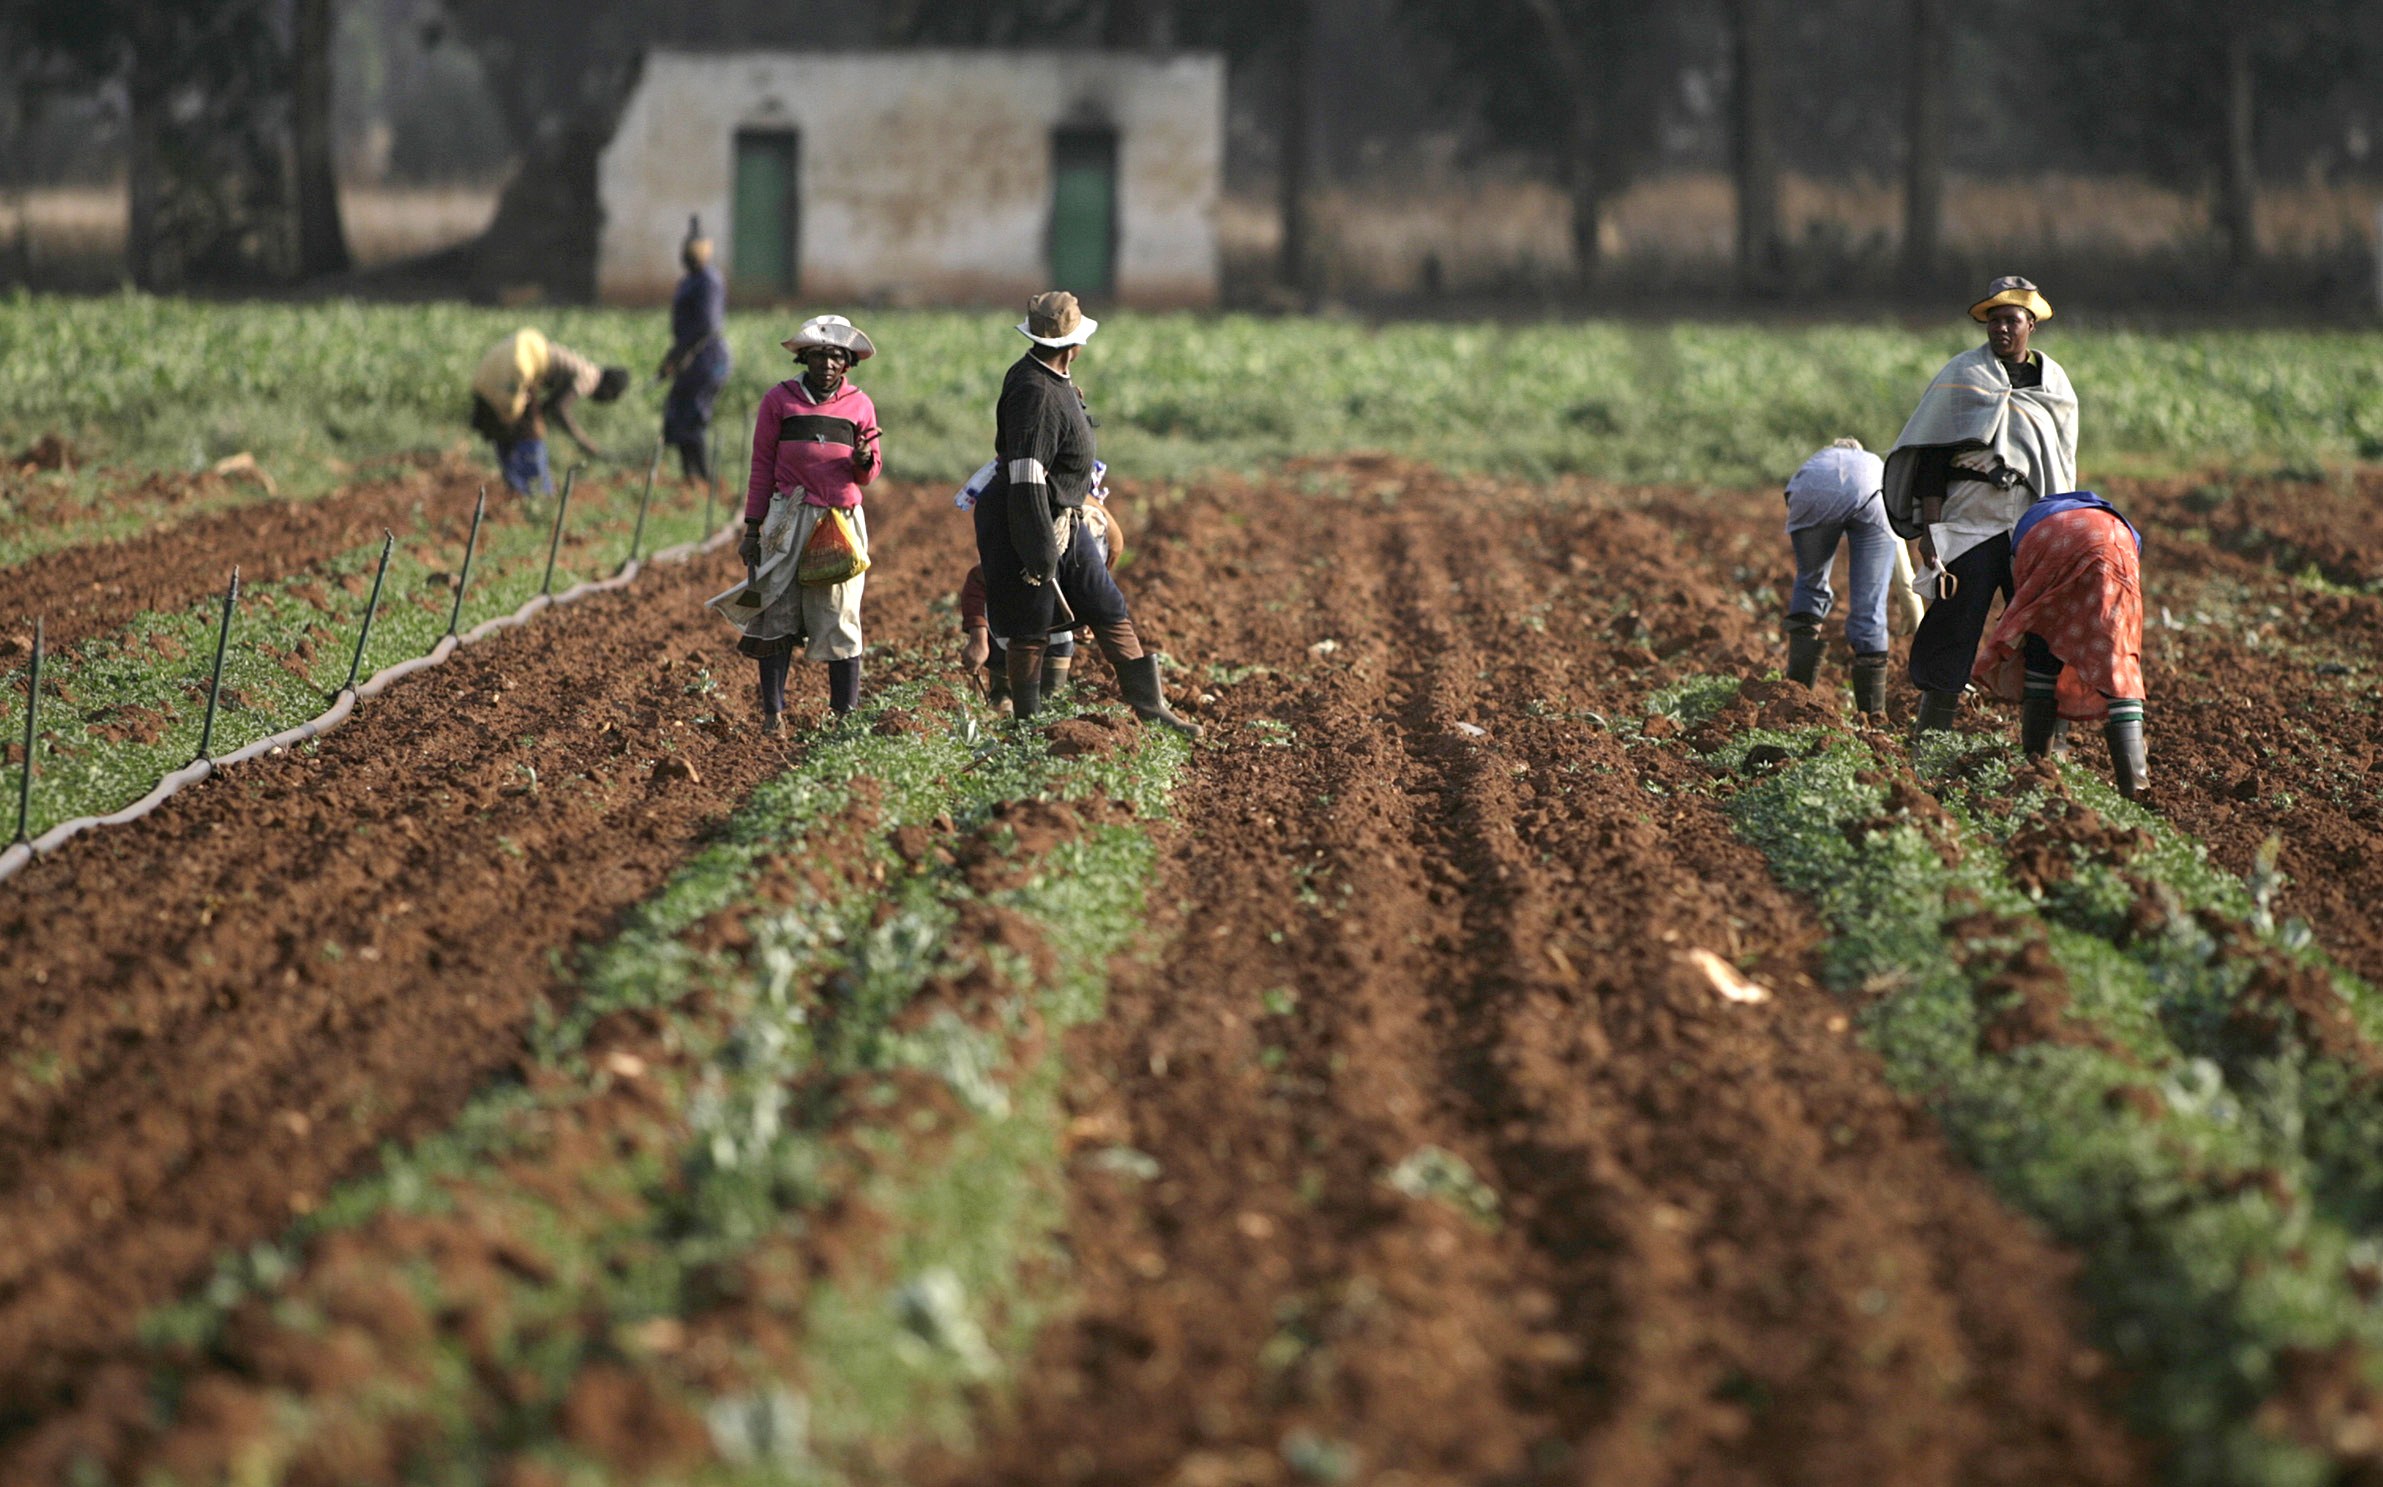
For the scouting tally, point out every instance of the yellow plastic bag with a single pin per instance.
(834, 554)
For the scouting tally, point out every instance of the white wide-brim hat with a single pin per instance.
(1053, 318)
(831, 330)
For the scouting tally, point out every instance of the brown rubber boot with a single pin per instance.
(1056, 671)
(1025, 679)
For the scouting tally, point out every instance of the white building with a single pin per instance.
(920, 177)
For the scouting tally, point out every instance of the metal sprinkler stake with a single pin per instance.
(637, 538)
(371, 607)
(562, 508)
(471, 545)
(32, 712)
(711, 478)
(223, 637)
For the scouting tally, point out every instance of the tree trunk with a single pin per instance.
(144, 168)
(1755, 151)
(2238, 166)
(1294, 268)
(1924, 146)
(1584, 183)
(322, 245)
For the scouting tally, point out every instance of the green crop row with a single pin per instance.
(786, 1103)
(121, 711)
(175, 384)
(2083, 1003)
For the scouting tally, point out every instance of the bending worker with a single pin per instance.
(2070, 644)
(1042, 571)
(697, 364)
(524, 380)
(1833, 497)
(1995, 431)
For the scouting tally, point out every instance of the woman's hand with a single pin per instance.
(978, 646)
(864, 454)
(748, 547)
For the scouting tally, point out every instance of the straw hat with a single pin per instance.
(831, 330)
(1053, 318)
(2010, 289)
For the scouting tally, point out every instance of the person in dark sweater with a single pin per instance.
(1042, 570)
(697, 364)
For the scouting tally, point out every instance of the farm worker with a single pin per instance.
(982, 648)
(524, 380)
(697, 364)
(1833, 497)
(1995, 432)
(815, 445)
(1042, 571)
(2070, 642)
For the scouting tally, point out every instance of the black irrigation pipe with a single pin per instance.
(14, 858)
(471, 545)
(32, 712)
(372, 607)
(223, 640)
(562, 508)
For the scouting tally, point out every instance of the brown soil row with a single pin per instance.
(1723, 1252)
(215, 1014)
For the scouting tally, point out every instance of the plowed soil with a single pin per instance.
(1431, 919)
(1721, 1251)
(215, 1013)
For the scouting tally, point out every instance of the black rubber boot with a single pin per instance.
(844, 685)
(1025, 680)
(1803, 648)
(1056, 672)
(2039, 719)
(1936, 710)
(1870, 683)
(1138, 679)
(2130, 770)
(773, 689)
(997, 681)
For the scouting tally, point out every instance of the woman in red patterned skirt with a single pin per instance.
(2070, 643)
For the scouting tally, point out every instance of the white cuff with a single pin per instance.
(1028, 472)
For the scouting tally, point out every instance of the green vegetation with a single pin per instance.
(175, 383)
(124, 709)
(784, 1240)
(2091, 1011)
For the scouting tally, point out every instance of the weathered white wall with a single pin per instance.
(925, 177)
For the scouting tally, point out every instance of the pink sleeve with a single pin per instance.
(765, 453)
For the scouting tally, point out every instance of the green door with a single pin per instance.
(763, 252)
(1084, 210)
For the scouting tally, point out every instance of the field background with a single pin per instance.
(310, 389)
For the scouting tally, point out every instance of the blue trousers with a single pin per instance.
(1873, 564)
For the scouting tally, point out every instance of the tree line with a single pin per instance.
(228, 105)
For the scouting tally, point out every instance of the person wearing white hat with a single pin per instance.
(1042, 570)
(698, 363)
(1995, 432)
(815, 446)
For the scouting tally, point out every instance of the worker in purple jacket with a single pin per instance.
(698, 363)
